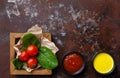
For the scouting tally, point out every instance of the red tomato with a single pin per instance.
(32, 62)
(23, 56)
(32, 50)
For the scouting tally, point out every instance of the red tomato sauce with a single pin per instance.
(73, 62)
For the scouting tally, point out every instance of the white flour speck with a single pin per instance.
(60, 42)
(79, 25)
(51, 17)
(61, 5)
(49, 7)
(12, 9)
(56, 13)
(63, 34)
(12, 1)
(73, 13)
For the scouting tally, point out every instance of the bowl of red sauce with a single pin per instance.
(73, 63)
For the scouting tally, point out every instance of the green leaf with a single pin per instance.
(47, 59)
(17, 63)
(29, 39)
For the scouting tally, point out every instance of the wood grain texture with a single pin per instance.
(13, 71)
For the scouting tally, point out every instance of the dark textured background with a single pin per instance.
(67, 20)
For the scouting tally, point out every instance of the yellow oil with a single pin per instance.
(103, 63)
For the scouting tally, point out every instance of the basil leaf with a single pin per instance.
(29, 39)
(17, 63)
(47, 59)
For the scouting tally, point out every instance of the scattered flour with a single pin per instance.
(12, 9)
(73, 13)
(28, 8)
(60, 17)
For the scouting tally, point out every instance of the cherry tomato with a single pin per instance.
(32, 50)
(32, 62)
(23, 56)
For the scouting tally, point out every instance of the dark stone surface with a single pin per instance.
(88, 26)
